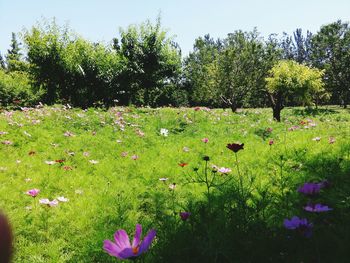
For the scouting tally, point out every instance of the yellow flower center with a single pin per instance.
(135, 250)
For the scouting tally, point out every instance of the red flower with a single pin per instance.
(59, 161)
(67, 168)
(235, 147)
(183, 164)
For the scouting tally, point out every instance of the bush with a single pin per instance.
(15, 88)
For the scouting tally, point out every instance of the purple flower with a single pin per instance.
(317, 208)
(122, 248)
(310, 188)
(300, 224)
(33, 192)
(184, 215)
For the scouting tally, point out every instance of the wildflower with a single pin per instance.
(33, 192)
(184, 215)
(197, 108)
(224, 170)
(62, 199)
(183, 164)
(317, 139)
(86, 154)
(186, 149)
(140, 133)
(31, 153)
(269, 129)
(164, 132)
(7, 142)
(79, 192)
(48, 202)
(124, 154)
(300, 224)
(317, 208)
(163, 179)
(27, 180)
(235, 147)
(27, 134)
(293, 128)
(134, 157)
(119, 141)
(18, 161)
(271, 142)
(50, 162)
(122, 248)
(60, 161)
(67, 168)
(3, 133)
(206, 158)
(205, 140)
(93, 133)
(172, 186)
(93, 162)
(68, 134)
(331, 140)
(310, 188)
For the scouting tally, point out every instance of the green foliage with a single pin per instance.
(15, 88)
(331, 52)
(292, 83)
(151, 61)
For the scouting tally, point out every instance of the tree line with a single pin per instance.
(143, 67)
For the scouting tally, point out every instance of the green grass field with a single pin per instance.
(108, 165)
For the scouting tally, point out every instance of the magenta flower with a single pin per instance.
(300, 224)
(184, 215)
(317, 208)
(205, 140)
(224, 170)
(33, 192)
(271, 142)
(122, 248)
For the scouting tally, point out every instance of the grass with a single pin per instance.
(234, 221)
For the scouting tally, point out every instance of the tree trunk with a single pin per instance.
(276, 113)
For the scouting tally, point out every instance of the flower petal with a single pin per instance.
(122, 239)
(137, 237)
(115, 251)
(147, 241)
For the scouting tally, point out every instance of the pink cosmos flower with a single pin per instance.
(205, 140)
(33, 192)
(3, 133)
(7, 142)
(224, 170)
(122, 248)
(48, 202)
(134, 157)
(172, 186)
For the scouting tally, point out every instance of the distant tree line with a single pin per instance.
(143, 67)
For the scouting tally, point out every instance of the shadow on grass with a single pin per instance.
(312, 111)
(224, 230)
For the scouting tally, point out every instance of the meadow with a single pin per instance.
(172, 170)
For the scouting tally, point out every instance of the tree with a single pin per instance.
(291, 81)
(2, 62)
(201, 71)
(243, 67)
(13, 56)
(151, 63)
(331, 52)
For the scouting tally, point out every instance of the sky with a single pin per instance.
(100, 20)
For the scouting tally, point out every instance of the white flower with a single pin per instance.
(164, 132)
(317, 139)
(50, 162)
(93, 161)
(62, 199)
